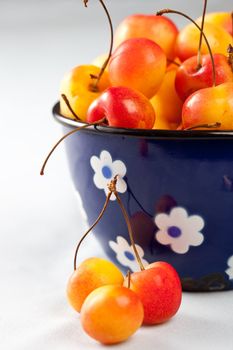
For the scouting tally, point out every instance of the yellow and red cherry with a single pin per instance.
(190, 77)
(188, 40)
(159, 289)
(139, 64)
(83, 84)
(111, 314)
(208, 106)
(166, 102)
(161, 30)
(79, 86)
(89, 275)
(122, 107)
(222, 19)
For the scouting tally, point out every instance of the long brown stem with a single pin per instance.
(173, 62)
(199, 65)
(67, 102)
(128, 276)
(162, 12)
(207, 126)
(95, 223)
(130, 231)
(95, 86)
(112, 190)
(230, 56)
(64, 137)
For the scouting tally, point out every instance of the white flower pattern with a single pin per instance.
(125, 254)
(229, 271)
(105, 170)
(179, 230)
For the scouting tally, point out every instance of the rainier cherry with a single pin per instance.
(79, 87)
(159, 29)
(202, 71)
(122, 107)
(159, 289)
(210, 105)
(188, 39)
(91, 274)
(139, 64)
(222, 19)
(166, 103)
(111, 314)
(85, 83)
(190, 78)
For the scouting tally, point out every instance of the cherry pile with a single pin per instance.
(157, 77)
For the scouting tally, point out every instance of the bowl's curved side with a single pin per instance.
(178, 193)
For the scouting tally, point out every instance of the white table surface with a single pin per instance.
(40, 222)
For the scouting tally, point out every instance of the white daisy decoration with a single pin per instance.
(125, 254)
(179, 230)
(229, 271)
(105, 169)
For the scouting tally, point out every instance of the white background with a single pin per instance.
(39, 218)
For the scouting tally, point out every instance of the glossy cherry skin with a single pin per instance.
(190, 78)
(167, 104)
(89, 275)
(208, 106)
(222, 19)
(111, 314)
(78, 86)
(123, 108)
(160, 29)
(139, 64)
(188, 40)
(159, 289)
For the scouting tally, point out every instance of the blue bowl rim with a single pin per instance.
(143, 133)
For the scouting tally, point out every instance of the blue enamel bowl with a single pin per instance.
(177, 187)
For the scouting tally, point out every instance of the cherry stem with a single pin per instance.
(70, 108)
(230, 56)
(95, 223)
(130, 231)
(95, 86)
(128, 276)
(64, 137)
(173, 62)
(112, 190)
(164, 11)
(199, 65)
(207, 126)
(232, 23)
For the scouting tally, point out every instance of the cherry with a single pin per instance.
(111, 314)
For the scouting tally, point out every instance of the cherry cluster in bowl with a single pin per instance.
(158, 77)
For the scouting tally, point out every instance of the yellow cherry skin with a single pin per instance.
(111, 314)
(79, 88)
(208, 106)
(89, 275)
(167, 104)
(222, 19)
(188, 40)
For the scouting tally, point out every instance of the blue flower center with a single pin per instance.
(107, 172)
(174, 231)
(129, 255)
